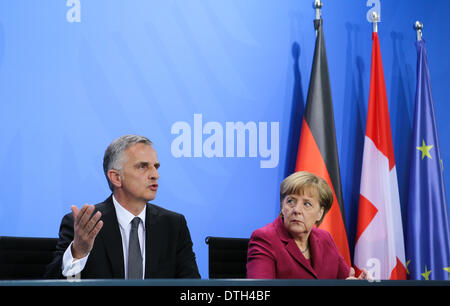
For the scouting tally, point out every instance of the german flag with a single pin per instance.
(317, 151)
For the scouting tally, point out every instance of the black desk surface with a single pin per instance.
(225, 291)
(219, 282)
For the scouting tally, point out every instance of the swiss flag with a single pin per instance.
(379, 246)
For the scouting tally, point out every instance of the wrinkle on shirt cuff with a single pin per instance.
(72, 266)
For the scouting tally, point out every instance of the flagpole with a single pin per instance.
(317, 6)
(375, 20)
(418, 26)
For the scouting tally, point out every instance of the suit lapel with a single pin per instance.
(153, 241)
(112, 239)
(316, 250)
(292, 247)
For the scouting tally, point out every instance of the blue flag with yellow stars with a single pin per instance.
(427, 224)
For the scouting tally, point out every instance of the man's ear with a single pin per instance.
(115, 178)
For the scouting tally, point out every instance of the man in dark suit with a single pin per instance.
(96, 241)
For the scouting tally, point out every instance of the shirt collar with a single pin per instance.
(124, 217)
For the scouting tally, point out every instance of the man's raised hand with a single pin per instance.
(86, 227)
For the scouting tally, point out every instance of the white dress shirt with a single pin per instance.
(71, 267)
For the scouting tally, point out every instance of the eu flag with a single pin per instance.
(427, 223)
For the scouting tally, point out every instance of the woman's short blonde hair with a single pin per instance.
(304, 182)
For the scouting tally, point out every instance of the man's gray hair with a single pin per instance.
(113, 158)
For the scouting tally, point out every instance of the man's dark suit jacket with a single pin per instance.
(168, 246)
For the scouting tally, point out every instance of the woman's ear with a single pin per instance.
(320, 214)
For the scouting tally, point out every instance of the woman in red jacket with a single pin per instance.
(291, 246)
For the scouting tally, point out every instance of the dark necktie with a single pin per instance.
(134, 252)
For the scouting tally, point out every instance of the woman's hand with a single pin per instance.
(364, 275)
